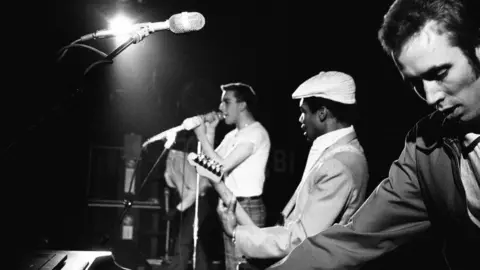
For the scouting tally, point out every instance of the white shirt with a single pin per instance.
(470, 171)
(247, 179)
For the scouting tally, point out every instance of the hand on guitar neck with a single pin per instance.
(213, 170)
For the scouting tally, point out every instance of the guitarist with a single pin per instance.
(243, 153)
(335, 178)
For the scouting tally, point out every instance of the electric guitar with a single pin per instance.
(210, 168)
(213, 170)
(206, 167)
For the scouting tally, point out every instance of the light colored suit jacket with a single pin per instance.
(332, 191)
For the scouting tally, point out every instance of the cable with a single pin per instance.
(74, 44)
(96, 63)
(154, 165)
(64, 50)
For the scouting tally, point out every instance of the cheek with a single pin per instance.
(309, 124)
(462, 83)
(465, 92)
(472, 95)
(227, 108)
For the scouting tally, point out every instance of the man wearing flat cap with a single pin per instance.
(335, 178)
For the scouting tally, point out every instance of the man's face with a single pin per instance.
(441, 74)
(309, 122)
(230, 107)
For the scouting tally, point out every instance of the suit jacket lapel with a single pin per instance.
(291, 203)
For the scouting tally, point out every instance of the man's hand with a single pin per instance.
(227, 215)
(206, 124)
(211, 121)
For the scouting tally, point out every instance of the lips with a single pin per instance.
(449, 112)
(304, 129)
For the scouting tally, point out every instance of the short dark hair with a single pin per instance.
(344, 113)
(243, 93)
(458, 18)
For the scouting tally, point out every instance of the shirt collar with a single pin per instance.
(470, 141)
(326, 140)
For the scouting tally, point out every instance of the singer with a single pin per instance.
(243, 152)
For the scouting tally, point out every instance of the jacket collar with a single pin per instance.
(433, 131)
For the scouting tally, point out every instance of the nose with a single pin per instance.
(433, 92)
(302, 117)
(221, 107)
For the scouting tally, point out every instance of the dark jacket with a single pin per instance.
(423, 194)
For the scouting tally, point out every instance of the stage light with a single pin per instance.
(123, 26)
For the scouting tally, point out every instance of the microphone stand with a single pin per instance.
(136, 37)
(128, 202)
(195, 221)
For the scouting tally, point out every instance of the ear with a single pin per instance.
(242, 105)
(322, 113)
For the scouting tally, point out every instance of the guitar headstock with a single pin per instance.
(206, 166)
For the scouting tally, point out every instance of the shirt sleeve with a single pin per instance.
(328, 191)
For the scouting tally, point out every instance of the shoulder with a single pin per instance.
(429, 131)
(230, 134)
(351, 157)
(347, 151)
(258, 127)
(258, 131)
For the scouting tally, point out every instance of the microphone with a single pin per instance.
(178, 24)
(187, 124)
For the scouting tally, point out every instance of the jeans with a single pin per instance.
(255, 208)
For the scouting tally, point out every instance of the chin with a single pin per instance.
(472, 119)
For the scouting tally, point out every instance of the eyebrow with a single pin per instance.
(430, 73)
(433, 71)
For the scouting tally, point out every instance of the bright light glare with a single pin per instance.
(123, 26)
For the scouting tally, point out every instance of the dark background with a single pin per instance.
(53, 115)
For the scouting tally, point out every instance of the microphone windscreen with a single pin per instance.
(186, 22)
